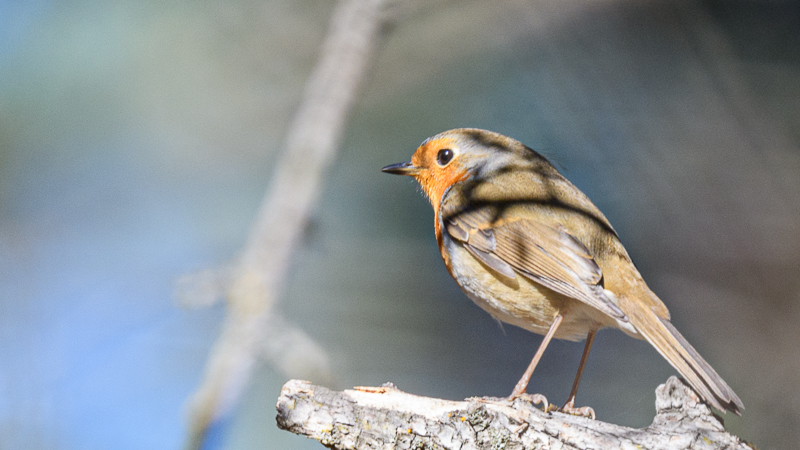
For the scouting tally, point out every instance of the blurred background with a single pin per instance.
(138, 138)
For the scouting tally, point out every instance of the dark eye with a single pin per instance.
(444, 156)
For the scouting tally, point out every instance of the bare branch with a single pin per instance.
(387, 418)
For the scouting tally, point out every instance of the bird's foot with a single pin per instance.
(569, 408)
(536, 399)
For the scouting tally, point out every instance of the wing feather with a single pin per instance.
(547, 255)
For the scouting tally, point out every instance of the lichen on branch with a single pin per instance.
(386, 418)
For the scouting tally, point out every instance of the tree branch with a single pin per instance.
(387, 418)
(252, 328)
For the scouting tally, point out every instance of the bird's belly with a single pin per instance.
(520, 302)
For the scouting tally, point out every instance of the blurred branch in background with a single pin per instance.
(252, 328)
(137, 140)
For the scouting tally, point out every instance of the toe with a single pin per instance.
(584, 411)
(536, 399)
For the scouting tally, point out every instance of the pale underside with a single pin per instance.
(521, 301)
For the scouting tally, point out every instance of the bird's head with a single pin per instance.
(457, 155)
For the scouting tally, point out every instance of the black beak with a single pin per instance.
(404, 168)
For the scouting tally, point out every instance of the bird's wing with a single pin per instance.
(547, 255)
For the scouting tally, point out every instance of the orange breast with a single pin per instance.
(435, 180)
(436, 192)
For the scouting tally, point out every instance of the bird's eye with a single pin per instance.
(444, 156)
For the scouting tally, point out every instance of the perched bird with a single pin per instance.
(532, 250)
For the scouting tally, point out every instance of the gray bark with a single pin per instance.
(387, 418)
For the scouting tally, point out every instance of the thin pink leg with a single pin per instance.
(522, 384)
(569, 407)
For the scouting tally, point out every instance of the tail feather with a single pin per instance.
(722, 391)
(684, 358)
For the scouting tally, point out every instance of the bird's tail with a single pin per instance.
(684, 358)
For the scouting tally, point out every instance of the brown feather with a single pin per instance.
(544, 254)
(682, 356)
(501, 206)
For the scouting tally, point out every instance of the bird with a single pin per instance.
(532, 250)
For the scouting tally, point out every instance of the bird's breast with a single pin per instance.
(520, 301)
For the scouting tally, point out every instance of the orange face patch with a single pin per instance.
(433, 178)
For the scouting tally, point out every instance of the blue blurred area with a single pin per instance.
(107, 195)
(15, 23)
(94, 350)
(136, 141)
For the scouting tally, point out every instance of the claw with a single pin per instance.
(584, 411)
(536, 399)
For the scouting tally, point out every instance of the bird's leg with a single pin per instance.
(569, 407)
(522, 384)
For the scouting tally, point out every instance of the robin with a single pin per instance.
(532, 250)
